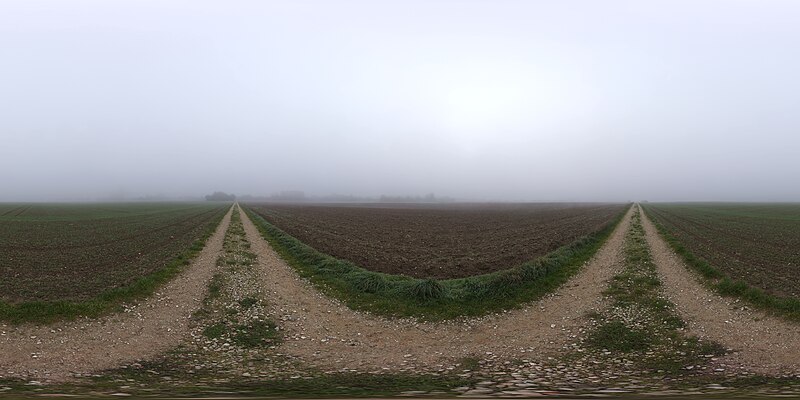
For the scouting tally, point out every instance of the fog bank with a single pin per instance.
(473, 100)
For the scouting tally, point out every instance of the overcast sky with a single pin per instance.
(478, 100)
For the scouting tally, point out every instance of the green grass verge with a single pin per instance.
(715, 279)
(352, 385)
(429, 299)
(43, 312)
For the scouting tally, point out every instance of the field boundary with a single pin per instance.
(429, 299)
(722, 284)
(44, 312)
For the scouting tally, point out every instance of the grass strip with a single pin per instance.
(43, 312)
(430, 299)
(718, 281)
(336, 385)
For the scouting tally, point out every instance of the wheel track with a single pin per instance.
(325, 334)
(762, 343)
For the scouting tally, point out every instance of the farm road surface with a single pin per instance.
(761, 343)
(157, 324)
(323, 333)
(320, 332)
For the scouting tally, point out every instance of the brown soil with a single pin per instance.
(157, 324)
(439, 241)
(322, 333)
(761, 343)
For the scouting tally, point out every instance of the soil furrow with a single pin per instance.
(761, 343)
(325, 334)
(157, 324)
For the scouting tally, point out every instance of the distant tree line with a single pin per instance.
(220, 196)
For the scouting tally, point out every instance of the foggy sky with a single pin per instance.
(478, 100)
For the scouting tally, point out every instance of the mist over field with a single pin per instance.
(474, 100)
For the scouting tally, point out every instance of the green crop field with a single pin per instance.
(758, 244)
(74, 252)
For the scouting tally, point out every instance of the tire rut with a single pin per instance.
(146, 329)
(325, 334)
(761, 343)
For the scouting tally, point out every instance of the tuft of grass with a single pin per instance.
(248, 302)
(470, 363)
(510, 280)
(216, 330)
(369, 282)
(215, 286)
(256, 334)
(427, 289)
(428, 299)
(617, 336)
(475, 288)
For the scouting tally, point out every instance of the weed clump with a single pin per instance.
(215, 286)
(427, 290)
(215, 331)
(475, 288)
(247, 302)
(369, 282)
(616, 336)
(256, 334)
(506, 281)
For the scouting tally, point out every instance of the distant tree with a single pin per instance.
(220, 196)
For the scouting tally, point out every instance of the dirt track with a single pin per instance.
(158, 324)
(319, 332)
(328, 335)
(761, 343)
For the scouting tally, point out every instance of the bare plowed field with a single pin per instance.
(439, 241)
(755, 243)
(76, 252)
